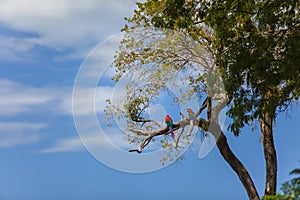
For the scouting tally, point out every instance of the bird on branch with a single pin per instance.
(170, 124)
(195, 122)
(192, 116)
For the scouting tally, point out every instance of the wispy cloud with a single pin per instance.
(17, 98)
(93, 140)
(14, 48)
(17, 133)
(65, 145)
(65, 25)
(97, 95)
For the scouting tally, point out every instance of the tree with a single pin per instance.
(291, 189)
(257, 46)
(248, 43)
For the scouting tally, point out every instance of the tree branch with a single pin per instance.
(147, 121)
(178, 138)
(150, 134)
(221, 140)
(203, 106)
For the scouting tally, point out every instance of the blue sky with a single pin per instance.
(42, 46)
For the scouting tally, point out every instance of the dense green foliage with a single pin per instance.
(291, 189)
(258, 47)
(256, 44)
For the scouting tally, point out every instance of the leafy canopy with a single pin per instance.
(255, 44)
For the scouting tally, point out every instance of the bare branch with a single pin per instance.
(218, 107)
(191, 128)
(151, 134)
(203, 106)
(209, 107)
(212, 119)
(147, 121)
(178, 138)
(183, 116)
(134, 150)
(199, 22)
(139, 132)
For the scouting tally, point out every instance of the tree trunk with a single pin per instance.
(266, 125)
(237, 166)
(231, 159)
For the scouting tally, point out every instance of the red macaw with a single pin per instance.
(191, 112)
(195, 121)
(192, 116)
(170, 124)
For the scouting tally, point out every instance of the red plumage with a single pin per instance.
(170, 124)
(168, 119)
(190, 111)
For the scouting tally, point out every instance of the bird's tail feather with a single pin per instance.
(172, 132)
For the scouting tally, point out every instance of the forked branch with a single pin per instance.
(149, 135)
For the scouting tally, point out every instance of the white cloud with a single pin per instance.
(97, 95)
(100, 58)
(12, 48)
(66, 24)
(65, 145)
(94, 140)
(17, 133)
(17, 98)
